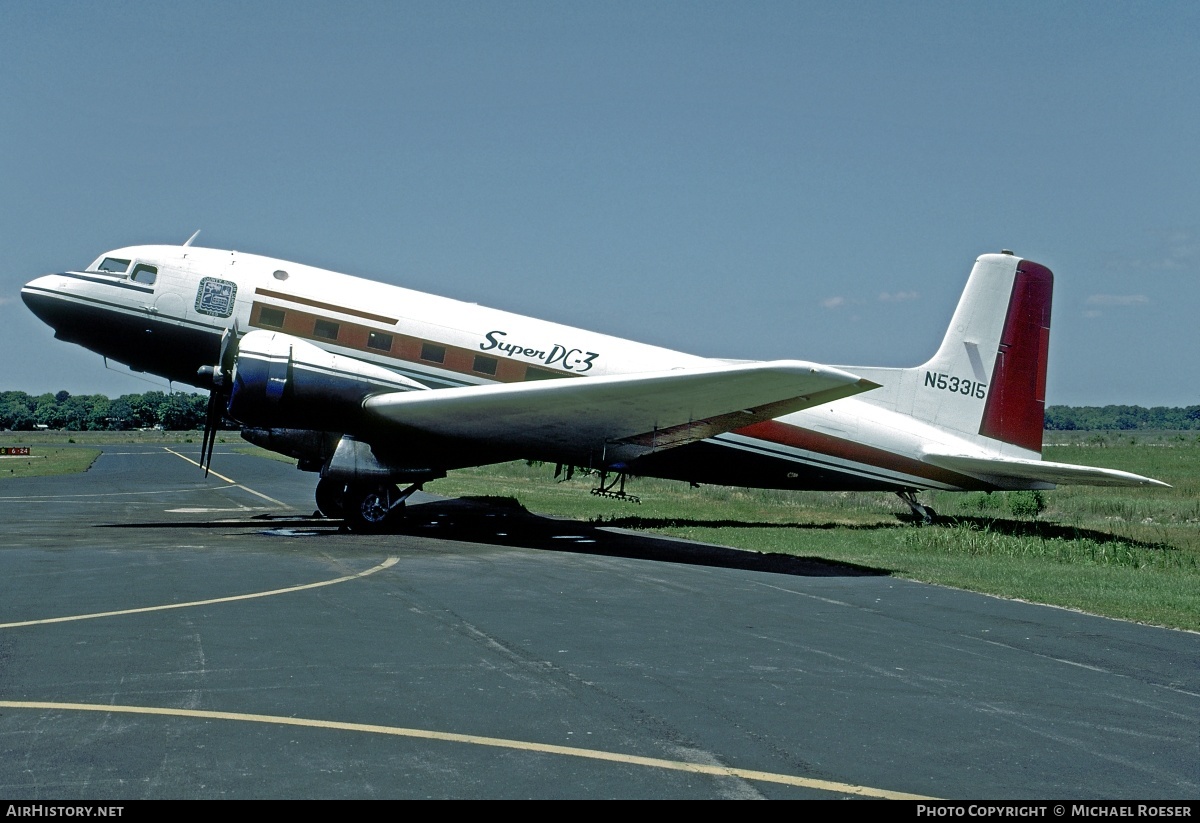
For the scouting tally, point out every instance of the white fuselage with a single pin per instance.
(166, 311)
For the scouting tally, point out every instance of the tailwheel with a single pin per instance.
(924, 513)
(331, 496)
(371, 509)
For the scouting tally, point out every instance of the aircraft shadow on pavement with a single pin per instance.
(504, 522)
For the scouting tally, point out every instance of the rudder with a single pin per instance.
(1016, 404)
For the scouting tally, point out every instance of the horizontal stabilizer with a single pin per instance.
(1043, 471)
(617, 417)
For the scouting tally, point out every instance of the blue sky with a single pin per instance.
(747, 180)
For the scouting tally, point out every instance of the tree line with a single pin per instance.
(177, 411)
(1121, 418)
(95, 412)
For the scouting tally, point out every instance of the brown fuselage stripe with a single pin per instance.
(774, 431)
(403, 347)
(317, 304)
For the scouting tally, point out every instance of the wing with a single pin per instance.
(617, 417)
(999, 469)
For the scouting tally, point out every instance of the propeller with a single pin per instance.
(221, 378)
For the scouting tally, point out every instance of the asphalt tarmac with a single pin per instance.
(163, 635)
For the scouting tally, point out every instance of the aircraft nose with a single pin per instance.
(41, 295)
(43, 283)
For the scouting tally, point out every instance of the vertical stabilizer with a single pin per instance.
(988, 377)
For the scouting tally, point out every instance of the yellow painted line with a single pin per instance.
(195, 463)
(497, 742)
(229, 480)
(387, 564)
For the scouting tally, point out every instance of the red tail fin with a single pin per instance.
(1016, 403)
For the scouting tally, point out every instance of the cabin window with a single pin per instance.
(485, 365)
(145, 274)
(279, 274)
(114, 265)
(379, 340)
(270, 317)
(432, 353)
(326, 330)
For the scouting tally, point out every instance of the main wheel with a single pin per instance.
(331, 496)
(368, 509)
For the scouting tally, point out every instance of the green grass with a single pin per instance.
(48, 461)
(109, 438)
(68, 452)
(258, 451)
(1122, 552)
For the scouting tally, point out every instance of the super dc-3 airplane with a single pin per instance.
(373, 385)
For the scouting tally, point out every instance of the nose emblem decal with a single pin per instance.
(215, 297)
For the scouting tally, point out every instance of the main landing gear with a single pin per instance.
(367, 508)
(925, 513)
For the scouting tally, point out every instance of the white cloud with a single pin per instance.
(1117, 300)
(898, 297)
(1183, 251)
(833, 302)
(1175, 251)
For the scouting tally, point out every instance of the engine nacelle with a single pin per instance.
(356, 461)
(312, 449)
(283, 382)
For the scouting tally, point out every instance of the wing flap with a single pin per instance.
(617, 416)
(1044, 471)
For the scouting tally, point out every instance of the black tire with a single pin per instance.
(368, 508)
(331, 496)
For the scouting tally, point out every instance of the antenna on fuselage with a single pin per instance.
(193, 237)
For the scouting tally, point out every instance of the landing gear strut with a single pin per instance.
(367, 508)
(925, 513)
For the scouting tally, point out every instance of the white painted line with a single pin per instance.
(387, 564)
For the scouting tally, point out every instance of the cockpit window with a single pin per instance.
(145, 274)
(115, 265)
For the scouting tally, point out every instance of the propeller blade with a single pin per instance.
(222, 384)
(210, 431)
